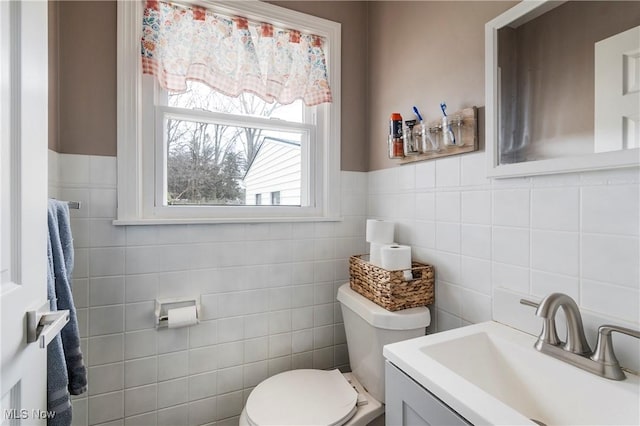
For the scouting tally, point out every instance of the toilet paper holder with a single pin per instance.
(164, 305)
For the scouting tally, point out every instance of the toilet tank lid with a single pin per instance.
(377, 316)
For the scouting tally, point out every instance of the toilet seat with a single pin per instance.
(302, 397)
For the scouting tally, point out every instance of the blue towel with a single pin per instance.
(57, 379)
(66, 371)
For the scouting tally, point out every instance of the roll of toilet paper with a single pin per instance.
(396, 257)
(182, 317)
(375, 253)
(380, 231)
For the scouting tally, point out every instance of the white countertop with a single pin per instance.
(491, 374)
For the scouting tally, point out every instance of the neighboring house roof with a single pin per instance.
(265, 141)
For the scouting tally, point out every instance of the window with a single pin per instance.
(199, 155)
(217, 150)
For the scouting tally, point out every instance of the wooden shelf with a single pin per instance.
(469, 137)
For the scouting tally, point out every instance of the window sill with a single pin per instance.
(230, 220)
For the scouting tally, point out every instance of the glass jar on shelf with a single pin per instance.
(410, 141)
(452, 131)
(430, 138)
(419, 136)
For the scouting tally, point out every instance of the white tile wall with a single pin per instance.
(267, 293)
(495, 241)
(268, 290)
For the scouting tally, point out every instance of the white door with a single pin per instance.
(617, 92)
(23, 206)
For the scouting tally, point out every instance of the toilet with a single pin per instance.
(323, 397)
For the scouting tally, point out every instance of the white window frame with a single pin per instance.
(140, 198)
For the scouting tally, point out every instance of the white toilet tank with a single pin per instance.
(368, 328)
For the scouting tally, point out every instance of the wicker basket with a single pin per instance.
(388, 288)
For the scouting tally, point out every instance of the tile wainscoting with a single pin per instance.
(268, 290)
(268, 302)
(495, 241)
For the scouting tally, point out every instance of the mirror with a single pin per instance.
(563, 87)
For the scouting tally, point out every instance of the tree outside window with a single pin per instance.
(207, 161)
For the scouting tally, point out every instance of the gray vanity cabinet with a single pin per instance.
(408, 403)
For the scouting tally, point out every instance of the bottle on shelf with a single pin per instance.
(396, 144)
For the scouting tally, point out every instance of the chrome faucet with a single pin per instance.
(576, 340)
(576, 351)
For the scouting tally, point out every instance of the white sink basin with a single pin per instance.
(491, 374)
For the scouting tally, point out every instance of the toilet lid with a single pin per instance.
(302, 397)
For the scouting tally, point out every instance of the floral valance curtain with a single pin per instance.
(232, 55)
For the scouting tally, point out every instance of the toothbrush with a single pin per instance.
(416, 112)
(443, 107)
